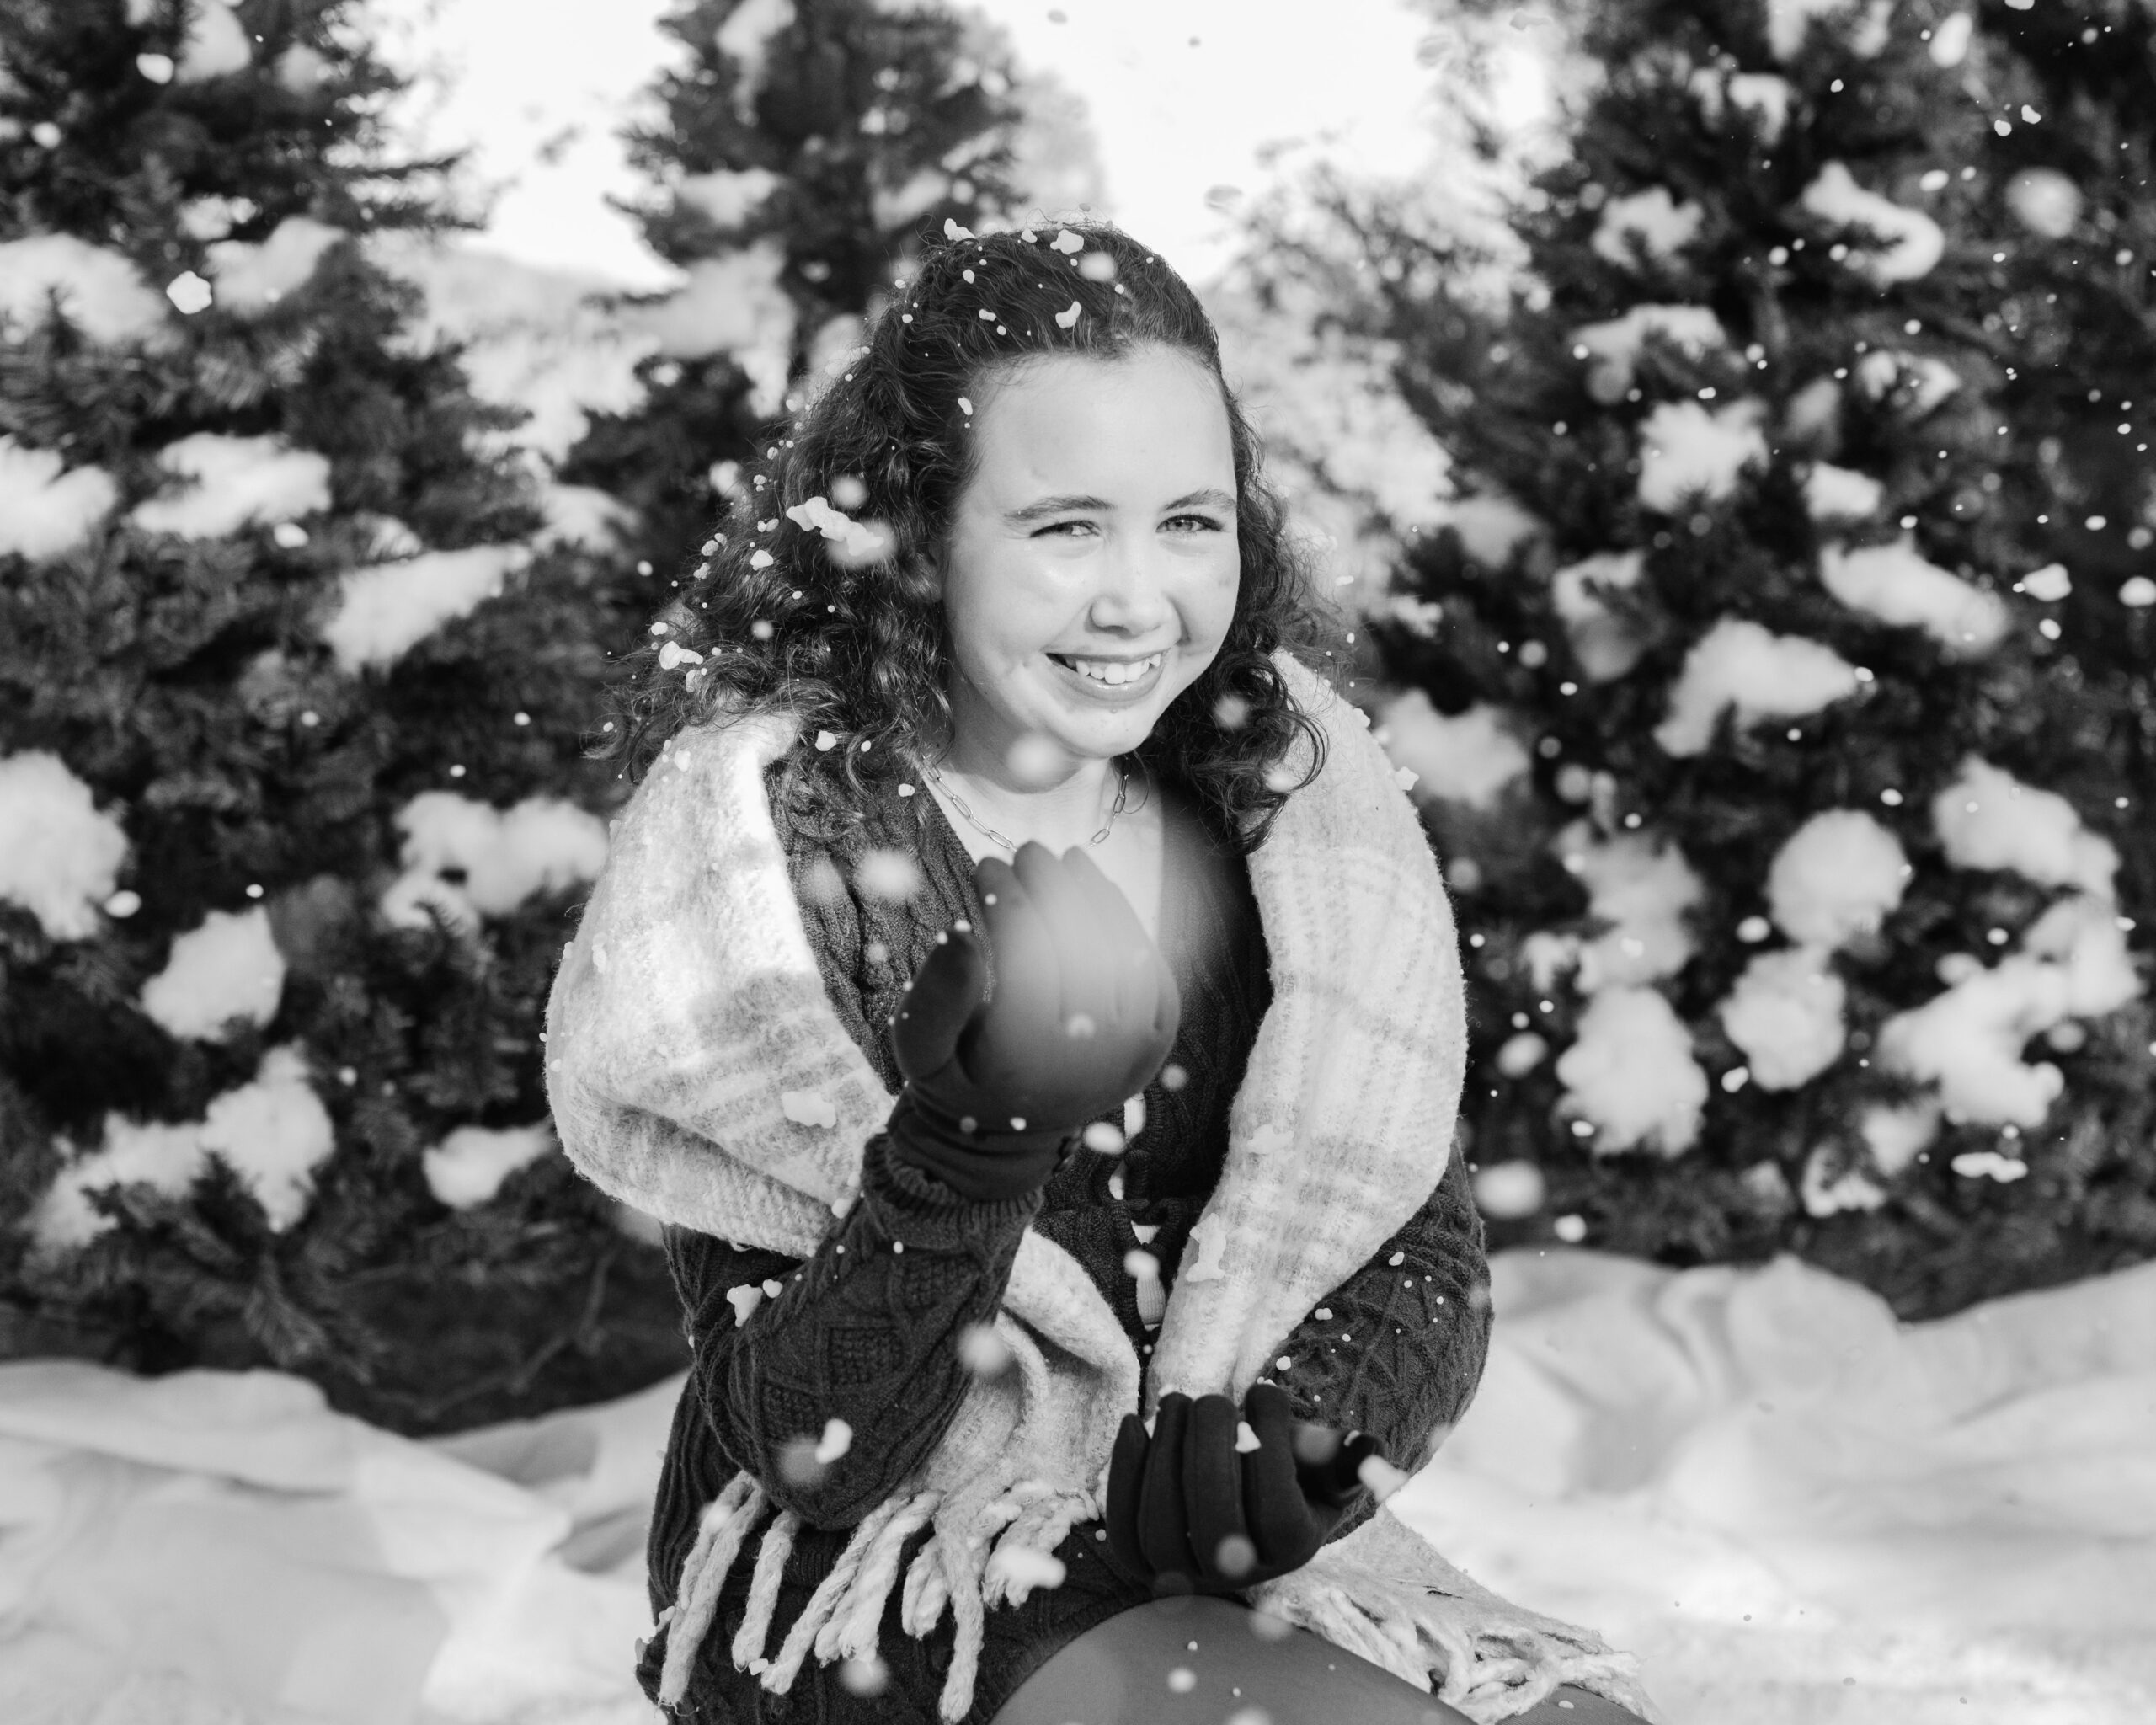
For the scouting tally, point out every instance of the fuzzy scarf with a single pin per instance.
(697, 1073)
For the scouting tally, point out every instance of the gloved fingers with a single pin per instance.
(1126, 977)
(1126, 1479)
(1163, 1512)
(1028, 975)
(1279, 1519)
(1072, 918)
(1213, 1488)
(937, 1002)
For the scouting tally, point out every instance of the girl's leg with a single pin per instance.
(1201, 1660)
(1140, 1667)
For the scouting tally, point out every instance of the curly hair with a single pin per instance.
(842, 621)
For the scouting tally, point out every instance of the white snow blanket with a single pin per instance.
(1792, 1508)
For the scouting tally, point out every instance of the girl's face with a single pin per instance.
(1101, 525)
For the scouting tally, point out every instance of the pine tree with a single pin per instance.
(293, 803)
(1801, 862)
(2076, 319)
(805, 146)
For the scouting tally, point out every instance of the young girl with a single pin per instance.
(1047, 1084)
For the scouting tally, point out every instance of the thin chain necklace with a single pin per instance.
(1122, 790)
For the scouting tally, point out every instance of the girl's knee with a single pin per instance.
(1199, 1660)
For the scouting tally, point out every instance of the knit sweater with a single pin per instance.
(876, 1337)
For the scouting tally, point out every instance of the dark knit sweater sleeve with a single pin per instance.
(869, 1331)
(1397, 1349)
(866, 1333)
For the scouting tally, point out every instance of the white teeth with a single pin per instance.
(1113, 675)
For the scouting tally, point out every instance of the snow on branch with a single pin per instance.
(1738, 664)
(60, 859)
(226, 969)
(1896, 585)
(250, 277)
(50, 509)
(237, 481)
(273, 1131)
(1630, 1076)
(385, 608)
(1910, 244)
(502, 856)
(100, 291)
(1688, 451)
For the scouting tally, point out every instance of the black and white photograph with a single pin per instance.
(1126, 862)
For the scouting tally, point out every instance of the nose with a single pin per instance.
(1132, 595)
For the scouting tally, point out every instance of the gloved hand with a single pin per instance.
(1085, 1011)
(1188, 1512)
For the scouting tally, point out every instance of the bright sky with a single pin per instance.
(540, 86)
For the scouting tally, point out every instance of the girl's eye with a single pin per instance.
(1204, 522)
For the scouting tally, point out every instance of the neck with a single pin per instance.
(1058, 811)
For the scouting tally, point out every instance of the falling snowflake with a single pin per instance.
(866, 1675)
(2049, 583)
(889, 874)
(1066, 242)
(189, 292)
(982, 1352)
(1380, 1476)
(1069, 319)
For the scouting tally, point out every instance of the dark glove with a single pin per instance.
(1190, 1514)
(1084, 1012)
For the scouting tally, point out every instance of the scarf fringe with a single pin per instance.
(856, 1621)
(724, 1523)
(843, 1618)
(1470, 1650)
(1471, 1653)
(763, 1591)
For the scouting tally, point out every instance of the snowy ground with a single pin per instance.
(1797, 1512)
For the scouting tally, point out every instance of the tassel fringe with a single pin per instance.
(824, 1601)
(921, 1602)
(724, 1523)
(763, 1592)
(855, 1625)
(1471, 1651)
(1484, 1661)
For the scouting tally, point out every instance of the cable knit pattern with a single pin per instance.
(701, 1068)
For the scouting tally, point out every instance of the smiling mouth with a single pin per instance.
(1140, 673)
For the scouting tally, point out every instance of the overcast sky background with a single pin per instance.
(538, 88)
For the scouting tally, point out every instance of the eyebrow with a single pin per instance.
(1066, 502)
